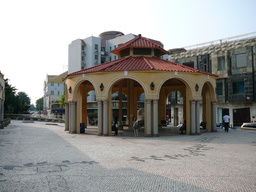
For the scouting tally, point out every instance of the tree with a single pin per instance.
(10, 98)
(40, 104)
(25, 97)
(25, 102)
(15, 103)
(61, 101)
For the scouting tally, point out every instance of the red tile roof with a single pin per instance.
(139, 64)
(139, 42)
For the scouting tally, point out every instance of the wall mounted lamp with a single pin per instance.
(101, 87)
(152, 86)
(197, 87)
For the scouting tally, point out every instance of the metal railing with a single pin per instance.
(222, 41)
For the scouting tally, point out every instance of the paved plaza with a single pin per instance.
(40, 157)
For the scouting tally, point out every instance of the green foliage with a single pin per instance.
(40, 104)
(15, 103)
(25, 97)
(61, 101)
(92, 116)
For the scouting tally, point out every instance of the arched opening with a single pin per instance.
(207, 108)
(126, 102)
(86, 105)
(172, 106)
(119, 108)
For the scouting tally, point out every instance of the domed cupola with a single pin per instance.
(140, 46)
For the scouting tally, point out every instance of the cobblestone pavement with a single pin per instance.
(40, 157)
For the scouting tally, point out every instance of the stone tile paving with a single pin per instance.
(40, 157)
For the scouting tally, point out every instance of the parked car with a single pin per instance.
(248, 126)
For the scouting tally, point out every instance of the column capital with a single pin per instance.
(155, 101)
(148, 100)
(193, 101)
(72, 102)
(214, 102)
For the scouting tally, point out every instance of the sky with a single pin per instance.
(35, 34)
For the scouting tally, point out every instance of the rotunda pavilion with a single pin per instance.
(138, 70)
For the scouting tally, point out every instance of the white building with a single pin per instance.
(91, 51)
(53, 89)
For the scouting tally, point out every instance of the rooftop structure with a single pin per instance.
(140, 70)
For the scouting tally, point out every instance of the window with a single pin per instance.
(219, 88)
(82, 47)
(96, 57)
(58, 84)
(96, 46)
(241, 60)
(189, 64)
(141, 51)
(238, 87)
(82, 58)
(125, 52)
(221, 63)
(52, 84)
(52, 92)
(58, 92)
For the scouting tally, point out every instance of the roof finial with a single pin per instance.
(139, 35)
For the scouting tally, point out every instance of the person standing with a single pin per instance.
(226, 120)
(115, 128)
(183, 127)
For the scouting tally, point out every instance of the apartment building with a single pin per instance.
(53, 89)
(92, 51)
(233, 59)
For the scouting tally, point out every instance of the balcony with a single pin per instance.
(83, 52)
(104, 53)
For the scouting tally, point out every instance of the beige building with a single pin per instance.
(140, 70)
(53, 89)
(234, 61)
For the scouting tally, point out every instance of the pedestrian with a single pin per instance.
(115, 128)
(183, 127)
(136, 126)
(226, 120)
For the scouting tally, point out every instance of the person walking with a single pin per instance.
(136, 126)
(226, 120)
